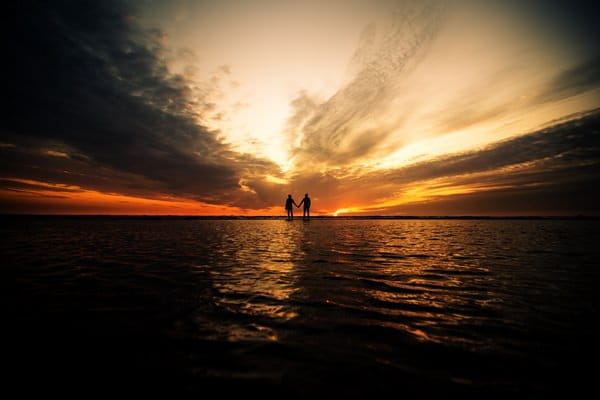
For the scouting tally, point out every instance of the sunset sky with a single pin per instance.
(223, 107)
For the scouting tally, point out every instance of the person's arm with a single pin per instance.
(298, 205)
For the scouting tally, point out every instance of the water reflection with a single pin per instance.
(322, 302)
(390, 275)
(254, 280)
(261, 278)
(435, 281)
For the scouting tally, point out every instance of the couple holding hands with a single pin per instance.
(290, 210)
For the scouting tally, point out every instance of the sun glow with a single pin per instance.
(274, 179)
(346, 211)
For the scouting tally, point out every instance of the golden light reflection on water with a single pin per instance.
(429, 280)
(261, 282)
(441, 280)
(421, 278)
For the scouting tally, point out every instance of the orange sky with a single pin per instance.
(65, 199)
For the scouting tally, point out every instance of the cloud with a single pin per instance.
(574, 141)
(89, 79)
(23, 184)
(349, 125)
(433, 70)
(554, 170)
(573, 81)
(547, 170)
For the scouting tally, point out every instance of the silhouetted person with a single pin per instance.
(306, 210)
(288, 206)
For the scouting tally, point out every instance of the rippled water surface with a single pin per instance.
(340, 306)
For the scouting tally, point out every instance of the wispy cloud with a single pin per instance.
(573, 81)
(353, 123)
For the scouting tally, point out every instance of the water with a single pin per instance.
(352, 307)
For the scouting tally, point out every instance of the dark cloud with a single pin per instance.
(565, 199)
(17, 185)
(580, 79)
(90, 80)
(573, 142)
